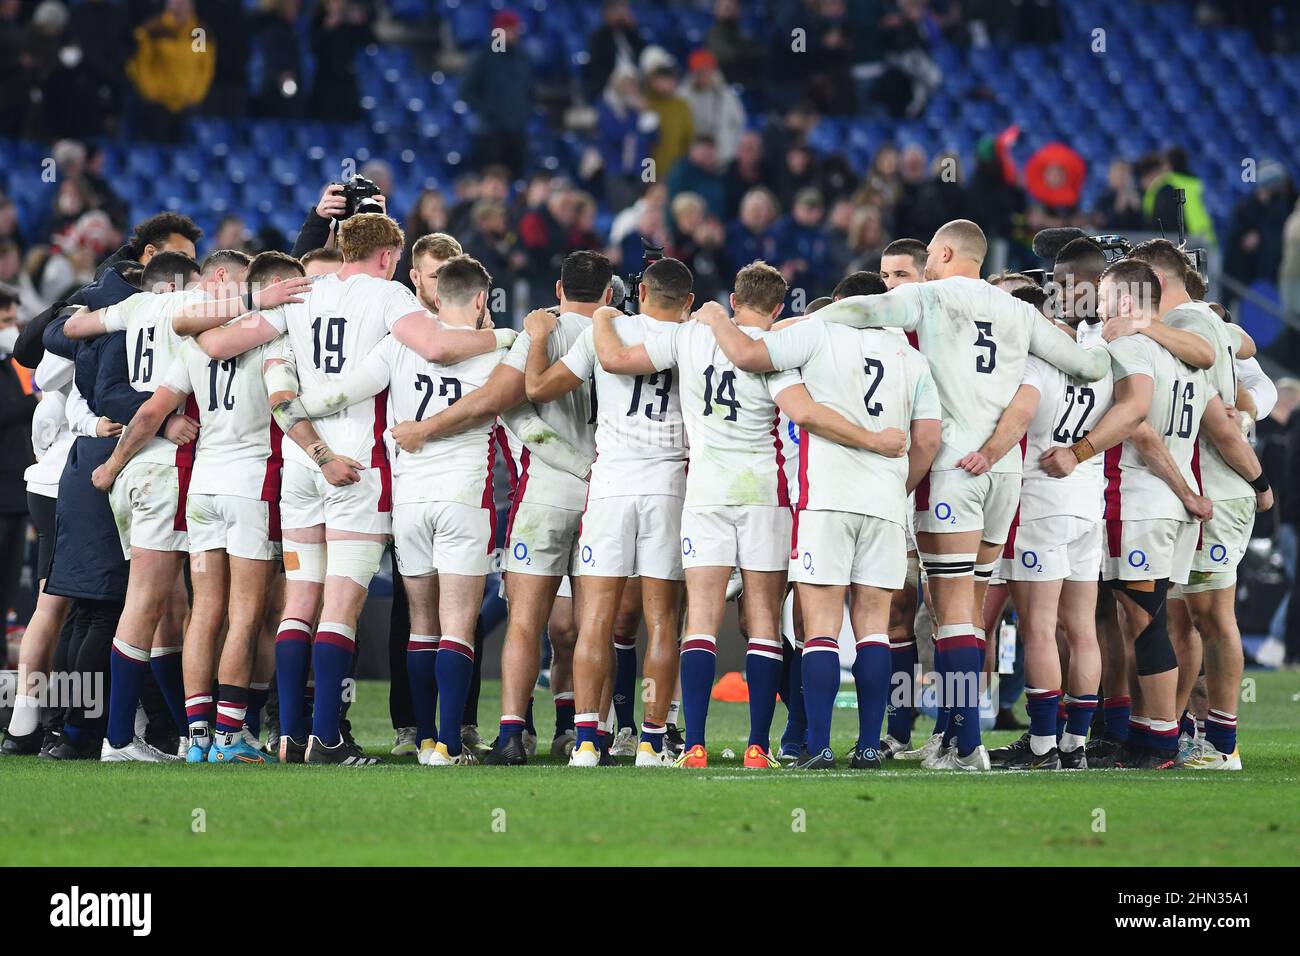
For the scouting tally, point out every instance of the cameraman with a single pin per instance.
(319, 228)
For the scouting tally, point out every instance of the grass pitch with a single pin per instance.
(404, 814)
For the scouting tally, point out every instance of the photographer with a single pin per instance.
(318, 229)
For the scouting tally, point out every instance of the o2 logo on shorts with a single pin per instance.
(808, 562)
(1137, 558)
(520, 551)
(588, 558)
(1218, 554)
(688, 549)
(943, 512)
(1030, 560)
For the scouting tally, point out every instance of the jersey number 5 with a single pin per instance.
(984, 340)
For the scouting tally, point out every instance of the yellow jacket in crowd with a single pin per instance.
(172, 65)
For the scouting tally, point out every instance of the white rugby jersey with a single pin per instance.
(737, 451)
(1218, 480)
(572, 417)
(1178, 400)
(641, 444)
(239, 447)
(457, 468)
(151, 347)
(332, 331)
(1068, 409)
(875, 380)
(977, 339)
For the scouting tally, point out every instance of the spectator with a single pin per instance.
(490, 242)
(866, 239)
(499, 87)
(911, 75)
(17, 402)
(745, 172)
(908, 222)
(804, 247)
(340, 29)
(283, 93)
(752, 235)
(798, 173)
(831, 53)
(168, 72)
(698, 240)
(616, 43)
(994, 201)
(1255, 237)
(231, 29)
(1160, 205)
(15, 80)
(628, 131)
(626, 222)
(1274, 437)
(1119, 207)
(544, 239)
(716, 110)
(883, 185)
(676, 129)
(739, 55)
(1288, 278)
(699, 173)
(231, 233)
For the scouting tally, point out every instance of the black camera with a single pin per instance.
(359, 193)
(650, 252)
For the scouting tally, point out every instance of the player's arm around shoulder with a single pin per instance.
(616, 356)
(545, 381)
(746, 353)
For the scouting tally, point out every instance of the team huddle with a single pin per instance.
(919, 435)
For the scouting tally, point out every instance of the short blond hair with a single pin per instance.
(366, 233)
(966, 237)
(437, 244)
(760, 286)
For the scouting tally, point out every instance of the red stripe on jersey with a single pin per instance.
(1114, 537)
(1113, 475)
(913, 341)
(782, 489)
(271, 481)
(794, 536)
(503, 440)
(379, 455)
(1196, 463)
(923, 494)
(803, 468)
(488, 503)
(185, 453)
(518, 491)
(183, 475)
(1009, 549)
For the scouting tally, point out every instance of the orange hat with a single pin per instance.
(701, 60)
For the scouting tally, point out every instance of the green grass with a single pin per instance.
(139, 814)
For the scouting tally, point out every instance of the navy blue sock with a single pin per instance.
(625, 685)
(1078, 713)
(763, 674)
(1221, 731)
(796, 717)
(331, 660)
(963, 663)
(563, 712)
(454, 669)
(421, 658)
(821, 682)
(292, 659)
(1041, 705)
(900, 713)
(871, 678)
(127, 667)
(1162, 735)
(586, 727)
(512, 725)
(1187, 724)
(257, 694)
(699, 661)
(941, 709)
(1062, 715)
(165, 662)
(1116, 713)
